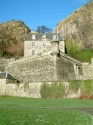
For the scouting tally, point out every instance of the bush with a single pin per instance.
(71, 47)
(74, 85)
(53, 90)
(87, 89)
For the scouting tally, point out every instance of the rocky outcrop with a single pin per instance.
(79, 26)
(12, 35)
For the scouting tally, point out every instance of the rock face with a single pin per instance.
(12, 35)
(79, 26)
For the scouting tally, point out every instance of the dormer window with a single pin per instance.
(44, 36)
(33, 36)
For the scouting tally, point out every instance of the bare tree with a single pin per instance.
(43, 29)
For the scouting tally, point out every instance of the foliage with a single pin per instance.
(74, 51)
(53, 90)
(74, 85)
(12, 34)
(87, 89)
(43, 29)
(71, 47)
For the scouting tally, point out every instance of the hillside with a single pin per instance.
(12, 35)
(78, 27)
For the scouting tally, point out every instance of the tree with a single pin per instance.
(43, 29)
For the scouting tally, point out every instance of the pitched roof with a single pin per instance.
(39, 36)
(7, 75)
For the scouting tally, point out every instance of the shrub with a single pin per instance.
(74, 85)
(53, 90)
(71, 47)
(87, 89)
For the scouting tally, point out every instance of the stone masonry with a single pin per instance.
(52, 65)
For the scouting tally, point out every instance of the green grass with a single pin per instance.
(27, 111)
(16, 101)
(43, 117)
(84, 55)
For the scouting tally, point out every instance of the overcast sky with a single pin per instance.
(38, 12)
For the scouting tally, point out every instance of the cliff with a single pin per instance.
(12, 35)
(79, 27)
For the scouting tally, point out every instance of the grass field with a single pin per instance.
(25, 111)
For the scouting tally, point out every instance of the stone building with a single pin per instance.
(44, 60)
(39, 43)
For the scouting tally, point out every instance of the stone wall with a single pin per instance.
(87, 70)
(43, 68)
(65, 69)
(4, 61)
(33, 69)
(31, 90)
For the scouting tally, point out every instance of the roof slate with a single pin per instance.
(39, 36)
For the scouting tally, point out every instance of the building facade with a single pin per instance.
(39, 43)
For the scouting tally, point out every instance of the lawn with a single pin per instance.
(25, 111)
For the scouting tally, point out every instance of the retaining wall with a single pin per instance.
(31, 90)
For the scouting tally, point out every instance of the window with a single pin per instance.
(33, 36)
(33, 44)
(33, 52)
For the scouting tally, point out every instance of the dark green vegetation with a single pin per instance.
(24, 111)
(72, 49)
(57, 89)
(12, 35)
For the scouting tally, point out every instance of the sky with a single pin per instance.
(35, 13)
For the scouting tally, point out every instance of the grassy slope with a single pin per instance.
(26, 114)
(43, 117)
(34, 103)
